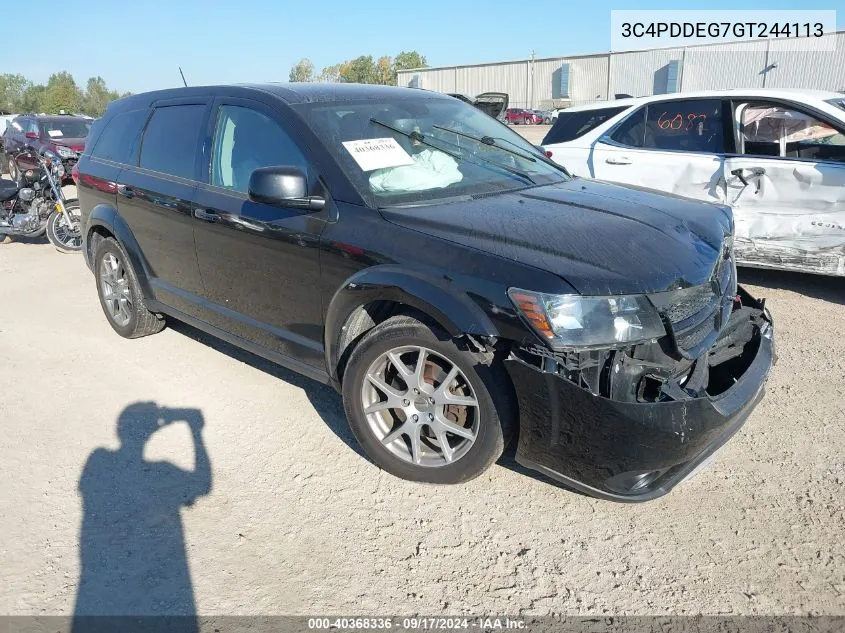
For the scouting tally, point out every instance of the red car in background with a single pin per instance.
(519, 116)
(63, 134)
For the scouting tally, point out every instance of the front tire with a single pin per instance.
(14, 173)
(66, 239)
(120, 294)
(423, 408)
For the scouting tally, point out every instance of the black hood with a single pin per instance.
(601, 238)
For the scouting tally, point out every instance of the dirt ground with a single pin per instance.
(296, 521)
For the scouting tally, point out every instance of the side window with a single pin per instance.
(770, 130)
(118, 141)
(171, 139)
(693, 125)
(572, 125)
(244, 140)
(632, 130)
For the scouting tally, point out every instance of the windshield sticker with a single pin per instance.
(377, 153)
(54, 133)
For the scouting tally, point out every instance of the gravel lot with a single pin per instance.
(298, 522)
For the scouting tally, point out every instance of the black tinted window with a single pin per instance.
(572, 125)
(631, 131)
(689, 126)
(170, 140)
(119, 139)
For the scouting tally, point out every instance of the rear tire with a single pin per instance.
(120, 293)
(527, 121)
(475, 432)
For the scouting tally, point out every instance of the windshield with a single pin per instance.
(839, 103)
(419, 150)
(67, 128)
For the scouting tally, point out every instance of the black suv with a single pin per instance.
(63, 135)
(456, 286)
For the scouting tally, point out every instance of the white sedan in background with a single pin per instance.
(777, 157)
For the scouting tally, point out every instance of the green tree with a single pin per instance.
(34, 98)
(303, 70)
(97, 97)
(62, 93)
(409, 60)
(385, 73)
(12, 89)
(361, 70)
(330, 73)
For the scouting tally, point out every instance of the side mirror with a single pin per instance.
(283, 186)
(31, 135)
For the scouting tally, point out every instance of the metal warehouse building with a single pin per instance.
(563, 81)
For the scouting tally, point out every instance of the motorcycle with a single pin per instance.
(35, 205)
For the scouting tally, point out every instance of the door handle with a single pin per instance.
(756, 172)
(208, 216)
(126, 192)
(622, 160)
(738, 174)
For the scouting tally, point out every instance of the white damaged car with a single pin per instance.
(777, 157)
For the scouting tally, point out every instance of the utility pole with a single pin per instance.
(531, 83)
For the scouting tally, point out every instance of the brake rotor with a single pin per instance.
(433, 375)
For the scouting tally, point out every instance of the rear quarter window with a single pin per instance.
(171, 139)
(572, 125)
(117, 137)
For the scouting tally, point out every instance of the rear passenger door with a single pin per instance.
(110, 149)
(259, 263)
(675, 146)
(154, 198)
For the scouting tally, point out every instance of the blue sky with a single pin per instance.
(137, 44)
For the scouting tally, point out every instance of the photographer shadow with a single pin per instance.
(134, 564)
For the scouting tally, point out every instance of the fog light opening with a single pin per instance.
(633, 481)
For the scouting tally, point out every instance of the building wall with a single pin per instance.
(816, 69)
(771, 64)
(722, 66)
(639, 73)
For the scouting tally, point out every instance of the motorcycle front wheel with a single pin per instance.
(66, 239)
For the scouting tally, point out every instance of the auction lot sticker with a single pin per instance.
(377, 153)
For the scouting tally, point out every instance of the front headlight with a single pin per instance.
(575, 321)
(65, 152)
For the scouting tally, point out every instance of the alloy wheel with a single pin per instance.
(420, 406)
(114, 285)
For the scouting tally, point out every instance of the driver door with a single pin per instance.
(259, 263)
(786, 185)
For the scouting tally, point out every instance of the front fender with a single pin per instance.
(107, 217)
(437, 297)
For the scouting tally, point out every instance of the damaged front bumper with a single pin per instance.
(641, 442)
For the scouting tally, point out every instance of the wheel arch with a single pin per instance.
(103, 222)
(373, 295)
